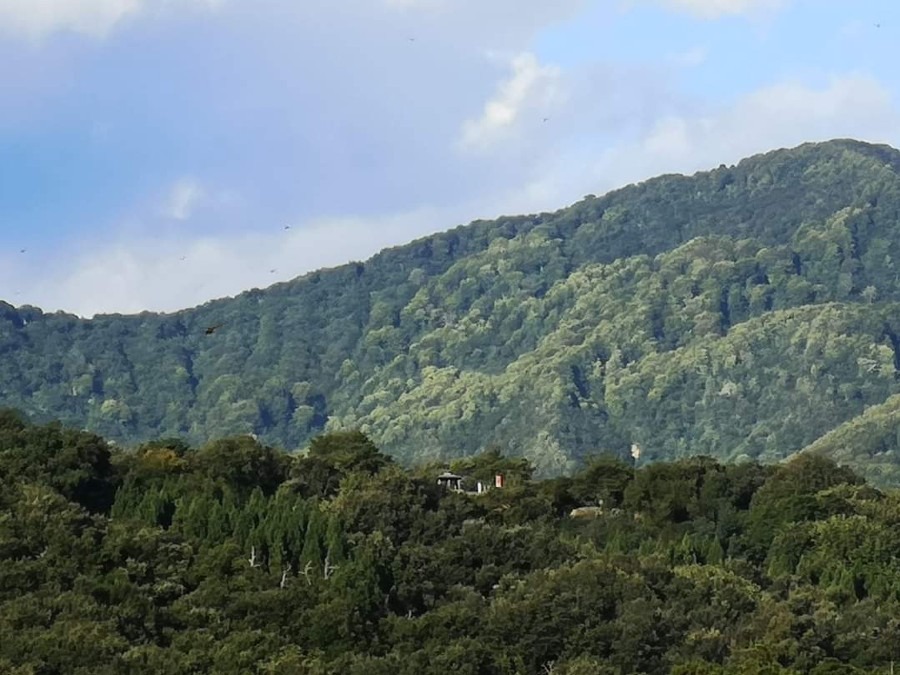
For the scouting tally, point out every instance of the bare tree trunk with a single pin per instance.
(329, 568)
(284, 574)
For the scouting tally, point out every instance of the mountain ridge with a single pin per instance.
(513, 331)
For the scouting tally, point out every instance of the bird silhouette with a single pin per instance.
(287, 227)
(212, 329)
(272, 271)
(23, 250)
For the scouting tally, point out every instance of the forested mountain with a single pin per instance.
(238, 558)
(740, 313)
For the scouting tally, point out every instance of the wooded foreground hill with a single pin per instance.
(238, 558)
(739, 313)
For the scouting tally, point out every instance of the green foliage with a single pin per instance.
(603, 480)
(75, 463)
(870, 443)
(216, 561)
(333, 456)
(348, 451)
(242, 463)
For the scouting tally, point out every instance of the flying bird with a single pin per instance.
(546, 119)
(212, 329)
(272, 271)
(287, 227)
(23, 250)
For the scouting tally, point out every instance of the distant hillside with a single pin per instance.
(870, 441)
(744, 311)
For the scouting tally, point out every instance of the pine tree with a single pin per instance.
(715, 554)
(313, 543)
(334, 538)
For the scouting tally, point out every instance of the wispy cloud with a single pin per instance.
(183, 198)
(166, 273)
(784, 114)
(38, 18)
(532, 89)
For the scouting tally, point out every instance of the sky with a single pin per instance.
(157, 154)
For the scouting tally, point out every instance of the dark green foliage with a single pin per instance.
(333, 456)
(75, 463)
(215, 561)
(603, 481)
(348, 451)
(242, 463)
(739, 313)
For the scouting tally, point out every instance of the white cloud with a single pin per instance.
(37, 18)
(785, 114)
(713, 9)
(531, 89)
(781, 115)
(166, 273)
(183, 199)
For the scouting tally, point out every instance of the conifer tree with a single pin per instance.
(313, 543)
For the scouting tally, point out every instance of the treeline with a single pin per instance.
(237, 558)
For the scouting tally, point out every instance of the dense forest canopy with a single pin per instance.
(234, 557)
(739, 313)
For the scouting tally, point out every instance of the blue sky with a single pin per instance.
(152, 152)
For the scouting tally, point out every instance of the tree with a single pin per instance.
(242, 463)
(603, 481)
(348, 452)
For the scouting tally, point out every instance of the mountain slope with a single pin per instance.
(870, 441)
(741, 311)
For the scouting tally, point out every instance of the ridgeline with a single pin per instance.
(741, 313)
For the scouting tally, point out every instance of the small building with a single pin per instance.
(458, 483)
(451, 481)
